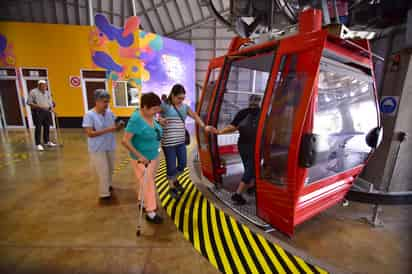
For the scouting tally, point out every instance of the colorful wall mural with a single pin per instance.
(7, 58)
(145, 60)
(66, 49)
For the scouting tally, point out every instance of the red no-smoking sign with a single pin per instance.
(74, 81)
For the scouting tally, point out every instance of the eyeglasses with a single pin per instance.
(159, 137)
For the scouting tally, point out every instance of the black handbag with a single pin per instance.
(187, 135)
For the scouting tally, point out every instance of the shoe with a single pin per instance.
(40, 148)
(106, 200)
(155, 220)
(179, 187)
(174, 193)
(51, 144)
(238, 199)
(251, 190)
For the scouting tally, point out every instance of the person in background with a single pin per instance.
(164, 98)
(174, 111)
(246, 122)
(142, 139)
(41, 105)
(99, 125)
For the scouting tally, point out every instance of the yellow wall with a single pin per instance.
(63, 50)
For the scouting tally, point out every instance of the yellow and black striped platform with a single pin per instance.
(228, 245)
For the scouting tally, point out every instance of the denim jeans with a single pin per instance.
(247, 155)
(172, 154)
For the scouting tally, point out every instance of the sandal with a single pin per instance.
(174, 192)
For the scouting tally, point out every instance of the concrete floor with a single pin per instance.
(51, 222)
(341, 239)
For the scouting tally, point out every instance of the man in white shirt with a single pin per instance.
(41, 105)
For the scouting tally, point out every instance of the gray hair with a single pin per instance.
(101, 94)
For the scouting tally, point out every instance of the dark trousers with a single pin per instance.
(42, 118)
(172, 154)
(247, 154)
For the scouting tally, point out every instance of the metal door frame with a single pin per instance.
(15, 78)
(83, 85)
(26, 92)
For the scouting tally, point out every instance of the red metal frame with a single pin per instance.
(205, 154)
(287, 206)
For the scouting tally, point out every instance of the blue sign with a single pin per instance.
(389, 104)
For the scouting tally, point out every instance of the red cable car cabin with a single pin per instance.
(318, 111)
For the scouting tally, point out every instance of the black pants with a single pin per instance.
(42, 118)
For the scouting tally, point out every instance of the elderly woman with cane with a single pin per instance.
(142, 140)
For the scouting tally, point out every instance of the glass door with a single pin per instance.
(245, 78)
(208, 168)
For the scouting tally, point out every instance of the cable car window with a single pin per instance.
(280, 119)
(207, 96)
(345, 112)
(247, 76)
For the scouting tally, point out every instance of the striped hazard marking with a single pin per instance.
(229, 246)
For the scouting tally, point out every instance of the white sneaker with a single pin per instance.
(40, 148)
(51, 144)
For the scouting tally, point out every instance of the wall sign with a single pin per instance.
(74, 81)
(389, 105)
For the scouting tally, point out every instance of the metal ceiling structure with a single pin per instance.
(187, 20)
(165, 17)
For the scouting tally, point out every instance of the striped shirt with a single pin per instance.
(174, 131)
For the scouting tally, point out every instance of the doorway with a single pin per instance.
(92, 80)
(11, 113)
(30, 77)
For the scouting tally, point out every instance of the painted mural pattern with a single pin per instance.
(118, 50)
(7, 57)
(146, 60)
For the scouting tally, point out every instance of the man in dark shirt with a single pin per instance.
(246, 122)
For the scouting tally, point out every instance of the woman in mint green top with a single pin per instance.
(146, 138)
(142, 140)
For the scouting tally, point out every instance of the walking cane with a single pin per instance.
(59, 140)
(141, 193)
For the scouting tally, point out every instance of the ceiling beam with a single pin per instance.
(190, 11)
(112, 11)
(55, 19)
(90, 12)
(31, 11)
(195, 24)
(168, 14)
(77, 12)
(65, 13)
(43, 10)
(20, 8)
(201, 10)
(153, 7)
(146, 15)
(122, 13)
(179, 12)
(99, 6)
(158, 17)
(222, 5)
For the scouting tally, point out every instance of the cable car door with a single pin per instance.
(204, 110)
(285, 115)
